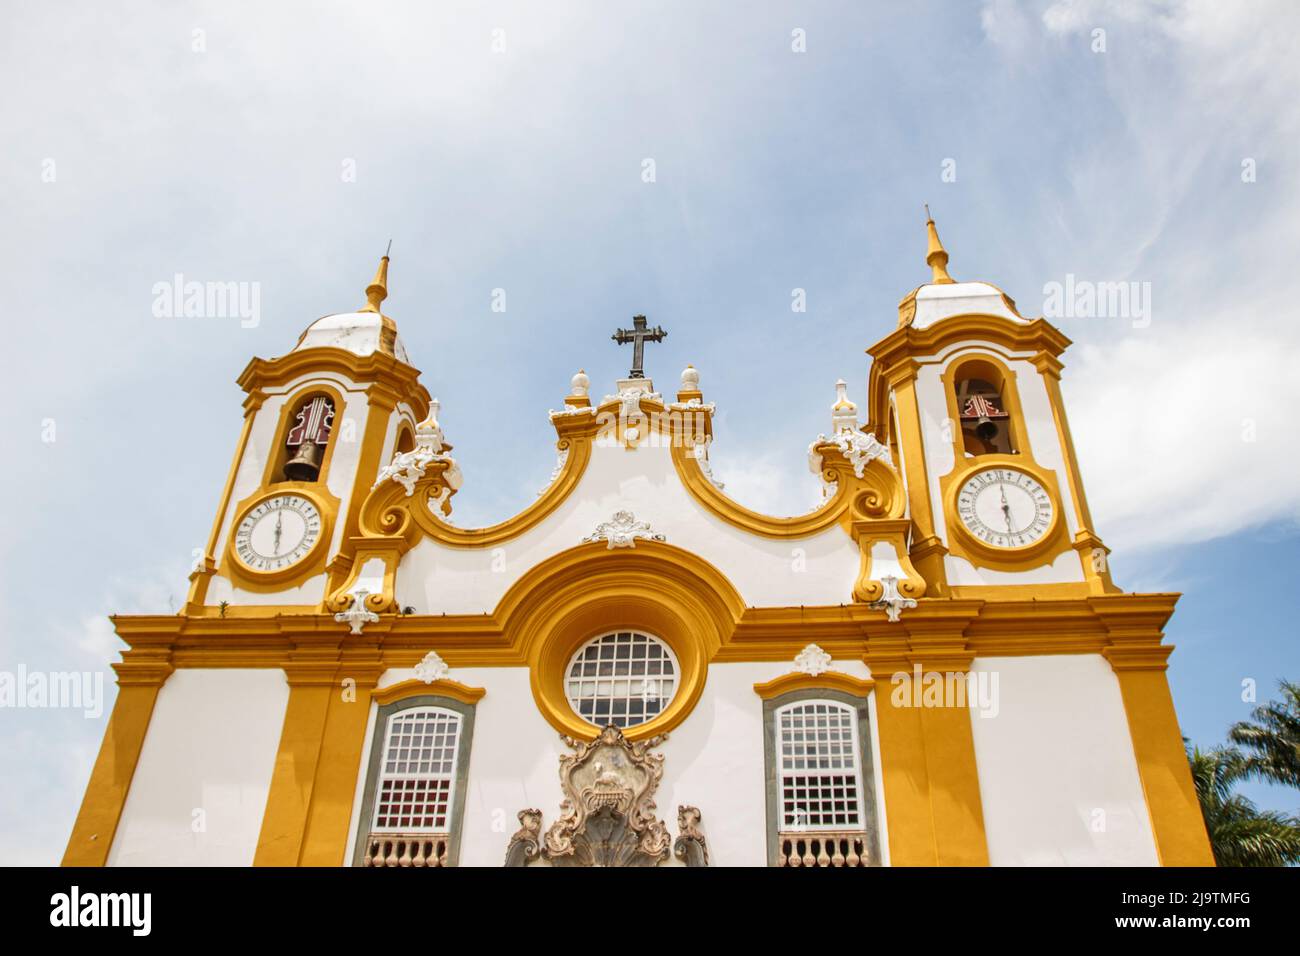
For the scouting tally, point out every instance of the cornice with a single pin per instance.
(939, 633)
(400, 380)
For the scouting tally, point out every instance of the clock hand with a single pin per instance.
(279, 518)
(1006, 508)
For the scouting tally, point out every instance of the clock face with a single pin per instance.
(1005, 508)
(278, 533)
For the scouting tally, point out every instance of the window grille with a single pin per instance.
(625, 678)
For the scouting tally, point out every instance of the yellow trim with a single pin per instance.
(377, 367)
(738, 516)
(442, 688)
(329, 812)
(1139, 661)
(1092, 553)
(827, 680)
(284, 822)
(953, 373)
(927, 550)
(200, 577)
(277, 454)
(1009, 625)
(590, 590)
(140, 676)
(310, 565)
(1175, 812)
(927, 754)
(388, 512)
(963, 544)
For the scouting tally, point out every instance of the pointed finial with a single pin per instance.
(377, 291)
(844, 413)
(936, 257)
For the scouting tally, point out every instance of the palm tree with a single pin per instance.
(1273, 740)
(1240, 834)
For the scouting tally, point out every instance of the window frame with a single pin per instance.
(860, 709)
(375, 776)
(665, 702)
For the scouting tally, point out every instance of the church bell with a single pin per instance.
(986, 428)
(305, 464)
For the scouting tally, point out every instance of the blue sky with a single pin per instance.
(520, 169)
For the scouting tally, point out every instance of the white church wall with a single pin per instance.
(210, 747)
(1058, 778)
(433, 578)
(1066, 567)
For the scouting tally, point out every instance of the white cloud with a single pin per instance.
(1184, 428)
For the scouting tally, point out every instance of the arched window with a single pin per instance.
(416, 784)
(405, 440)
(625, 678)
(821, 775)
(307, 433)
(982, 407)
(821, 805)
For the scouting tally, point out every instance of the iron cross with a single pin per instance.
(639, 335)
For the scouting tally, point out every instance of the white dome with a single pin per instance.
(361, 333)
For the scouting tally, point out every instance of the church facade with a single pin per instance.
(931, 667)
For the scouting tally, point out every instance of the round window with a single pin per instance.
(625, 678)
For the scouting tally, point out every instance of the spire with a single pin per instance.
(377, 291)
(936, 257)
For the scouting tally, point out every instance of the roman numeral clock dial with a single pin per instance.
(1005, 508)
(277, 533)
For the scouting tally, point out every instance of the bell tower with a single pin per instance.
(966, 394)
(319, 424)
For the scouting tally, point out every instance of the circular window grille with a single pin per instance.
(624, 679)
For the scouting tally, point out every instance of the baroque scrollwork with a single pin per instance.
(690, 847)
(622, 531)
(607, 817)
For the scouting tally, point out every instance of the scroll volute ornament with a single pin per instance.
(390, 511)
(876, 492)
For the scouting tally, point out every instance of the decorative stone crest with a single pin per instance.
(431, 668)
(357, 615)
(890, 600)
(622, 531)
(812, 660)
(607, 816)
(408, 467)
(859, 448)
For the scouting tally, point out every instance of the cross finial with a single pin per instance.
(638, 335)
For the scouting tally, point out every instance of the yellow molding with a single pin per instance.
(329, 814)
(284, 821)
(962, 544)
(389, 513)
(1175, 812)
(119, 753)
(878, 494)
(309, 566)
(200, 578)
(995, 627)
(442, 688)
(277, 454)
(827, 680)
(402, 379)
